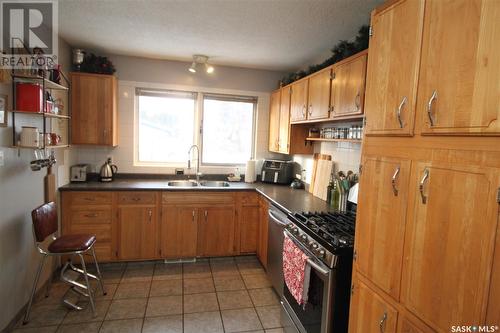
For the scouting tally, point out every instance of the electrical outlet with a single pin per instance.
(2, 162)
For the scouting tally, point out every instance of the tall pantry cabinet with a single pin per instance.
(427, 252)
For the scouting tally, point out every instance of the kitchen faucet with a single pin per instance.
(198, 174)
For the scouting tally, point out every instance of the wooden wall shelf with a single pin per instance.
(334, 140)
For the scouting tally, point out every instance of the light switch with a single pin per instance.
(2, 163)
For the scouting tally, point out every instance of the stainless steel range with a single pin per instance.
(328, 240)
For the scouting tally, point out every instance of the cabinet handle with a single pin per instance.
(381, 324)
(136, 199)
(150, 213)
(422, 184)
(310, 109)
(304, 111)
(394, 178)
(206, 216)
(429, 107)
(357, 101)
(398, 112)
(91, 215)
(193, 215)
(89, 199)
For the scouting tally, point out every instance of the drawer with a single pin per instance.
(90, 198)
(103, 252)
(249, 198)
(136, 198)
(101, 231)
(197, 197)
(86, 216)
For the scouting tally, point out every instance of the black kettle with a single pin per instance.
(107, 171)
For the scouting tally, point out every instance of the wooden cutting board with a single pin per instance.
(317, 157)
(323, 172)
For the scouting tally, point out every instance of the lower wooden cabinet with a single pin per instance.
(369, 312)
(248, 218)
(137, 232)
(179, 231)
(216, 231)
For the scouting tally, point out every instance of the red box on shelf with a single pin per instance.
(29, 97)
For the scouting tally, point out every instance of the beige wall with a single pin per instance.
(146, 73)
(21, 190)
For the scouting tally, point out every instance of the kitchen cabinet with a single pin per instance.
(370, 312)
(381, 218)
(284, 121)
(249, 220)
(319, 95)
(216, 231)
(274, 121)
(263, 231)
(458, 85)
(179, 231)
(392, 70)
(493, 312)
(299, 99)
(94, 109)
(348, 87)
(90, 213)
(453, 220)
(137, 227)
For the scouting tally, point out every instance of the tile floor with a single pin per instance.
(209, 296)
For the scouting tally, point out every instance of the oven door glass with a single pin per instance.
(311, 315)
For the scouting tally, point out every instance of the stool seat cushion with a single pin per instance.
(72, 243)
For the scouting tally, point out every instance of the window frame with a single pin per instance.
(234, 98)
(199, 97)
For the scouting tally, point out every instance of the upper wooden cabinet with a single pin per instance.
(392, 71)
(381, 218)
(348, 87)
(284, 128)
(459, 77)
(369, 312)
(94, 109)
(319, 95)
(274, 121)
(299, 99)
(449, 243)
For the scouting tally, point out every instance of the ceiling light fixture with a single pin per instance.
(201, 59)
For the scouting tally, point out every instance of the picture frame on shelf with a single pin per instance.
(3, 110)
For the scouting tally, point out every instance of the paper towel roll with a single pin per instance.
(250, 172)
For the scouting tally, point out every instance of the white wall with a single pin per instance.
(21, 190)
(146, 73)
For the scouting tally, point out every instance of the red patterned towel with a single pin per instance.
(296, 271)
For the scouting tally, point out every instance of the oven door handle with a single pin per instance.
(317, 267)
(275, 219)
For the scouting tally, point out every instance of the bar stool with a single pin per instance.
(44, 225)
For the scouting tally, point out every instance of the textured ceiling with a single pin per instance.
(266, 34)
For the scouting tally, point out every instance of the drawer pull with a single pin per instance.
(136, 199)
(91, 215)
(89, 199)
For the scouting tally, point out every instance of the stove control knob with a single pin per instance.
(304, 238)
(295, 230)
(320, 253)
(314, 246)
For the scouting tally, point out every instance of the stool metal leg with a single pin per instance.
(47, 291)
(33, 291)
(99, 275)
(89, 288)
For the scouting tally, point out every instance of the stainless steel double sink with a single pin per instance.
(203, 183)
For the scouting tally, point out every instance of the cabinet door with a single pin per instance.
(216, 231)
(381, 218)
(348, 87)
(179, 231)
(93, 101)
(249, 228)
(459, 77)
(449, 243)
(274, 121)
(406, 326)
(369, 312)
(137, 232)
(319, 95)
(298, 106)
(263, 232)
(284, 121)
(392, 73)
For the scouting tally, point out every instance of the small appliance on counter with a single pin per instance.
(79, 172)
(108, 170)
(277, 172)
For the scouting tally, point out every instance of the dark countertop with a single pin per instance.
(286, 198)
